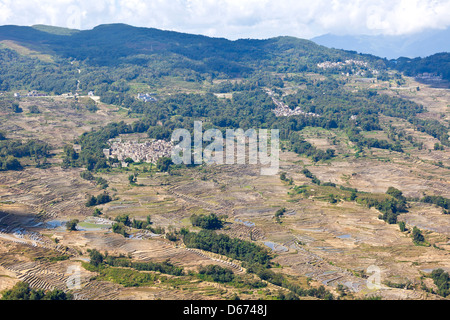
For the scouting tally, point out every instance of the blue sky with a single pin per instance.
(235, 19)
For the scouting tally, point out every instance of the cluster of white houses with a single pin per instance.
(149, 151)
(329, 64)
(30, 94)
(282, 110)
(146, 97)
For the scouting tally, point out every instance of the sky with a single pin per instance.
(237, 19)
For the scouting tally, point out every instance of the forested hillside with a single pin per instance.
(113, 61)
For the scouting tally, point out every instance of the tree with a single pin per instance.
(395, 193)
(163, 164)
(402, 226)
(72, 225)
(442, 281)
(417, 235)
(332, 198)
(209, 222)
(69, 152)
(95, 258)
(97, 212)
(87, 175)
(128, 160)
(124, 218)
(92, 201)
(57, 294)
(21, 291)
(15, 108)
(103, 198)
(132, 178)
(34, 109)
(280, 212)
(11, 163)
(120, 229)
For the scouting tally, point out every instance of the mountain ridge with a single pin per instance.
(422, 44)
(112, 44)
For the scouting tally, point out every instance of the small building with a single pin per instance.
(146, 97)
(107, 152)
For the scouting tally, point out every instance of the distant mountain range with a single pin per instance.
(421, 44)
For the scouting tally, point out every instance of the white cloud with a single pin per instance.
(238, 18)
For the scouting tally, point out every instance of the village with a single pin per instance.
(282, 110)
(149, 151)
(329, 64)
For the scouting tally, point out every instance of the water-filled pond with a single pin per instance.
(276, 247)
(246, 223)
(344, 236)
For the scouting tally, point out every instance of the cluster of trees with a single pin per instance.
(209, 222)
(442, 280)
(11, 150)
(100, 199)
(34, 109)
(19, 149)
(10, 163)
(70, 158)
(437, 146)
(87, 175)
(355, 136)
(137, 224)
(432, 127)
(283, 177)
(440, 201)
(120, 228)
(216, 273)
(390, 207)
(438, 64)
(301, 146)
(228, 86)
(279, 279)
(123, 221)
(257, 260)
(71, 225)
(163, 164)
(124, 262)
(310, 175)
(23, 291)
(23, 72)
(417, 236)
(246, 251)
